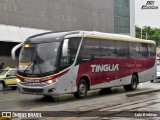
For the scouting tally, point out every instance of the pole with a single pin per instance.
(146, 35)
(141, 33)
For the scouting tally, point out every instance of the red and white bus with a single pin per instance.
(78, 61)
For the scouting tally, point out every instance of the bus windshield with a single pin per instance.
(38, 59)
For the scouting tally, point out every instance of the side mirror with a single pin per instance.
(65, 48)
(13, 52)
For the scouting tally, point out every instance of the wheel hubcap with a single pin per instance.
(134, 83)
(82, 89)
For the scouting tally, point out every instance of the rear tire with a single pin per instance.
(1, 86)
(133, 85)
(82, 89)
(152, 80)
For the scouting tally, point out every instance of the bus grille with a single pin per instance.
(33, 90)
(34, 84)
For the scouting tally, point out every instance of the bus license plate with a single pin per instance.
(31, 81)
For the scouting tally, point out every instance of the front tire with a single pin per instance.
(133, 85)
(82, 89)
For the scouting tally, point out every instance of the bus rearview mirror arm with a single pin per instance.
(14, 49)
(65, 48)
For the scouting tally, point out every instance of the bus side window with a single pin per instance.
(122, 49)
(107, 49)
(90, 50)
(152, 50)
(134, 50)
(144, 50)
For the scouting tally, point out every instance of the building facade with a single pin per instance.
(111, 16)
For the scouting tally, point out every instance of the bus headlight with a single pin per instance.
(51, 81)
(18, 80)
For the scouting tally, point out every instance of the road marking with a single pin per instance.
(6, 100)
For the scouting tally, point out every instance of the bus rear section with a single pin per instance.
(106, 62)
(75, 62)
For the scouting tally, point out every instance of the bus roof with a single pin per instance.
(58, 36)
(49, 37)
(110, 36)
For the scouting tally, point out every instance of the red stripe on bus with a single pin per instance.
(106, 70)
(44, 79)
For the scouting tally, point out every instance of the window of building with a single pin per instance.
(122, 16)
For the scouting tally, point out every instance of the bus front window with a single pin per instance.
(39, 59)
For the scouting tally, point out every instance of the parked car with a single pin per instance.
(158, 73)
(8, 78)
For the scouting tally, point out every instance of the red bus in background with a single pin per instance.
(78, 61)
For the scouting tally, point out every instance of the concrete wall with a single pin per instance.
(132, 18)
(59, 15)
(7, 60)
(5, 53)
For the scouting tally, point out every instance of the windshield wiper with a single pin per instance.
(36, 60)
(28, 67)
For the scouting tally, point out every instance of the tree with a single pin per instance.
(152, 33)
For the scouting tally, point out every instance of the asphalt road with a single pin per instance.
(12, 100)
(117, 105)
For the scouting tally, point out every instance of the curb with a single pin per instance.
(142, 92)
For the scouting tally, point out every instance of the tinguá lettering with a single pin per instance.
(105, 67)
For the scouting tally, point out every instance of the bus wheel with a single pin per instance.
(133, 85)
(1, 86)
(82, 89)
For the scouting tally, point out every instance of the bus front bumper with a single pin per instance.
(44, 90)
